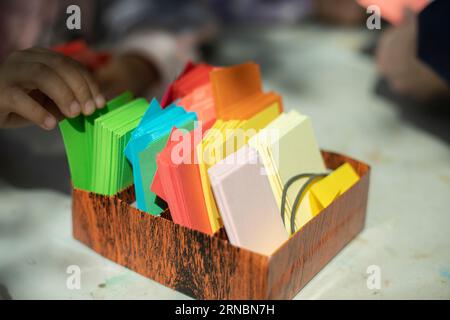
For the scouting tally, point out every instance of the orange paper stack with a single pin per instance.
(238, 92)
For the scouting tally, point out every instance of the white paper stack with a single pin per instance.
(249, 210)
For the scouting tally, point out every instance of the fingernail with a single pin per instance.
(49, 123)
(89, 107)
(75, 108)
(100, 101)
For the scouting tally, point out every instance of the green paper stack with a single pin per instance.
(111, 170)
(94, 145)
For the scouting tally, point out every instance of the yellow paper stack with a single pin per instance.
(288, 147)
(223, 139)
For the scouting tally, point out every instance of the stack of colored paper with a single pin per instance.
(248, 207)
(200, 101)
(177, 180)
(192, 77)
(78, 136)
(225, 138)
(238, 92)
(111, 171)
(149, 138)
(288, 147)
(231, 171)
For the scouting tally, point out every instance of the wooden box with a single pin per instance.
(209, 267)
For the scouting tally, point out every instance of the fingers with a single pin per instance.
(71, 76)
(39, 76)
(47, 103)
(63, 64)
(85, 92)
(21, 105)
(95, 90)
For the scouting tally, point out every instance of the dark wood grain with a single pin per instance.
(209, 267)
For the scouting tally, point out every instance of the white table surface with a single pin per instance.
(321, 73)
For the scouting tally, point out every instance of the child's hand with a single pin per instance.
(27, 76)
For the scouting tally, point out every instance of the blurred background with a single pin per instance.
(368, 93)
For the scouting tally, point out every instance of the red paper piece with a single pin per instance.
(78, 50)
